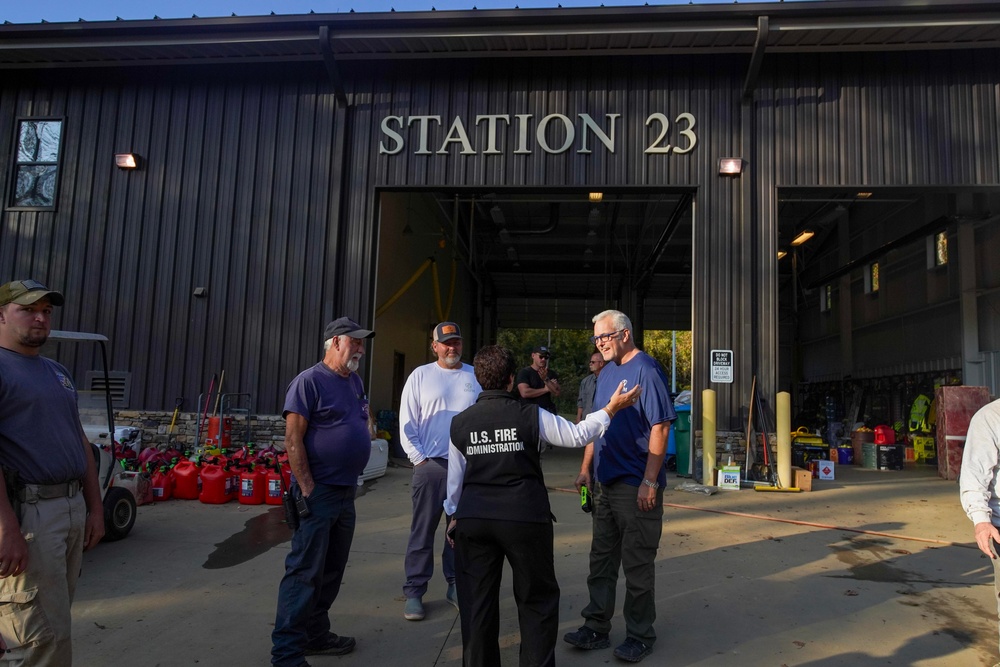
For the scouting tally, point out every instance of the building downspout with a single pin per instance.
(330, 61)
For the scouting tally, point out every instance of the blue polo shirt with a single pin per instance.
(337, 440)
(620, 455)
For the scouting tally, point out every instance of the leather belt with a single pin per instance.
(32, 493)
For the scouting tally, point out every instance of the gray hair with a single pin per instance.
(328, 343)
(619, 320)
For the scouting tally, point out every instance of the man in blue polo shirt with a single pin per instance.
(328, 445)
(628, 494)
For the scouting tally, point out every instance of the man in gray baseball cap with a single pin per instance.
(27, 292)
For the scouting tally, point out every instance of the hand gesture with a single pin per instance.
(621, 400)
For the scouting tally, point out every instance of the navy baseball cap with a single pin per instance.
(446, 331)
(345, 326)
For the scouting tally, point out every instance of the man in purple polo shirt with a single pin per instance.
(328, 445)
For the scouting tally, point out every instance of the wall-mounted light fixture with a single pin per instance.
(730, 166)
(126, 160)
(803, 236)
(596, 197)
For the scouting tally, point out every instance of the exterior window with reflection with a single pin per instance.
(36, 163)
(940, 248)
(826, 298)
(871, 278)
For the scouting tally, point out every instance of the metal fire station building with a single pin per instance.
(515, 168)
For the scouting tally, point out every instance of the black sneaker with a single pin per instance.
(632, 650)
(587, 639)
(332, 645)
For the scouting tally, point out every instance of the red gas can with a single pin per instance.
(253, 486)
(884, 435)
(273, 486)
(233, 488)
(162, 484)
(214, 484)
(188, 481)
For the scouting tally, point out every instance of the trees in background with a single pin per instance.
(571, 349)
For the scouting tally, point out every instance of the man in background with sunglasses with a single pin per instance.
(627, 493)
(538, 383)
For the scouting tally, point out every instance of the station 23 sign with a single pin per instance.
(527, 133)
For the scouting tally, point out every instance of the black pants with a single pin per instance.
(480, 547)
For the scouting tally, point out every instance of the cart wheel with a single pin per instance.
(119, 514)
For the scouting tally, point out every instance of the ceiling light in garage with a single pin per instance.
(803, 236)
(594, 217)
(596, 197)
(782, 253)
(497, 214)
(864, 195)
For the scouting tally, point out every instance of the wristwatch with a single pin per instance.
(652, 485)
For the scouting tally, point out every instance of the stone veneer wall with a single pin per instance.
(265, 430)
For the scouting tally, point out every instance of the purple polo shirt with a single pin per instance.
(337, 440)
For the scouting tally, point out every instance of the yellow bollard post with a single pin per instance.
(708, 437)
(784, 427)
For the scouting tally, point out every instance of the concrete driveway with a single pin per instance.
(196, 584)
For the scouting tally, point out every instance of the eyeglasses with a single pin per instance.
(596, 362)
(604, 338)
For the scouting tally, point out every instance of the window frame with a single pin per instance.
(15, 164)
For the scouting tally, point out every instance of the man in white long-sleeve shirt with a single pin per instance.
(978, 482)
(433, 394)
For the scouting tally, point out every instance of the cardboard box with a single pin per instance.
(827, 469)
(803, 479)
(729, 477)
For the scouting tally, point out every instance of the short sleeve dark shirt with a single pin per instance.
(337, 440)
(530, 376)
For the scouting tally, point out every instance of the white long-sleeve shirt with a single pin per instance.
(980, 472)
(552, 429)
(431, 396)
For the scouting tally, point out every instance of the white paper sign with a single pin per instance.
(722, 366)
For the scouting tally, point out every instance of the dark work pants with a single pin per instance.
(480, 547)
(625, 537)
(314, 569)
(430, 486)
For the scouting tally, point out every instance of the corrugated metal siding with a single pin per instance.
(918, 119)
(241, 191)
(235, 194)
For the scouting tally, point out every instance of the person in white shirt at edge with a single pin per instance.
(433, 394)
(499, 508)
(978, 482)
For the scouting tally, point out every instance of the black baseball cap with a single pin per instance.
(345, 326)
(541, 349)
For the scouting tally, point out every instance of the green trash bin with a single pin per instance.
(681, 432)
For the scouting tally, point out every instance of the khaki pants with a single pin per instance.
(35, 622)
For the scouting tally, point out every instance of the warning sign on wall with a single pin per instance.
(722, 366)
